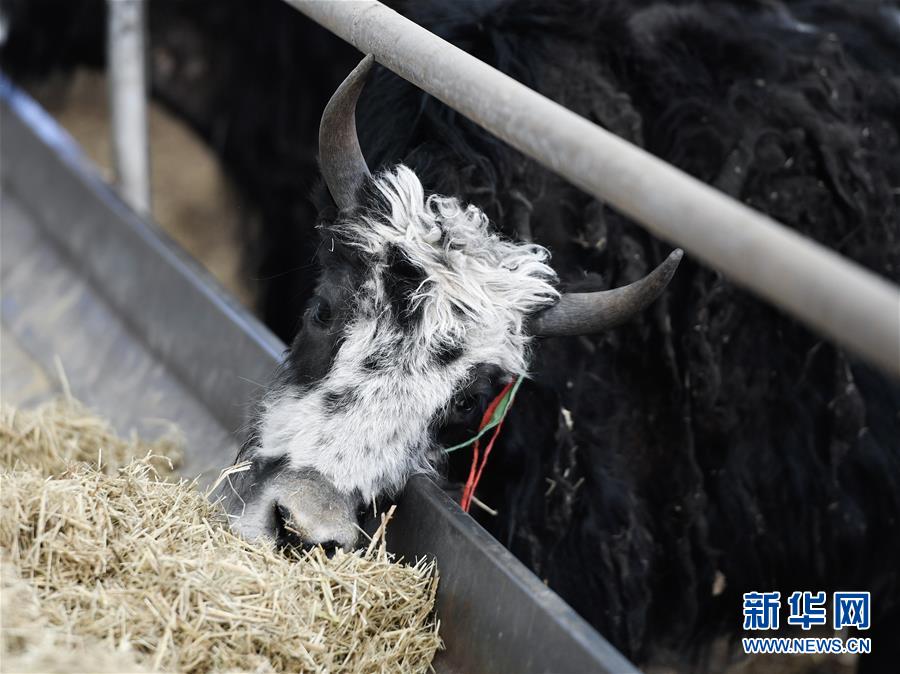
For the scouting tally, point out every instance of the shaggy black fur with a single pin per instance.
(712, 437)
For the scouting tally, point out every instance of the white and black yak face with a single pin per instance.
(430, 294)
(416, 298)
(419, 306)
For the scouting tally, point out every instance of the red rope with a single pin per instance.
(475, 469)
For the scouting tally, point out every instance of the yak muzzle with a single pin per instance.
(298, 510)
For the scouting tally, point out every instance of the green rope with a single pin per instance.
(499, 413)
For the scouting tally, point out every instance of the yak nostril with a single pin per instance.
(330, 547)
(285, 536)
(282, 514)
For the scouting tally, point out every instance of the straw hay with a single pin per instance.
(50, 437)
(118, 570)
(30, 643)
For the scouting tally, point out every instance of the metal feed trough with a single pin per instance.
(143, 334)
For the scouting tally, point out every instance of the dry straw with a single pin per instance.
(116, 570)
(53, 436)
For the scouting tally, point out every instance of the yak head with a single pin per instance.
(421, 314)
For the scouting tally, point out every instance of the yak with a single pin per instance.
(653, 473)
(650, 473)
(420, 309)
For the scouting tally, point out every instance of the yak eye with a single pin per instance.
(320, 311)
(466, 404)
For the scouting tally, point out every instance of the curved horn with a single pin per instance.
(588, 313)
(343, 165)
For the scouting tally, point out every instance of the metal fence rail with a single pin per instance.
(831, 294)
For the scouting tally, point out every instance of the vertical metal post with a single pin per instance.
(127, 81)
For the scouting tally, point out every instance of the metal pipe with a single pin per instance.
(126, 72)
(831, 294)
